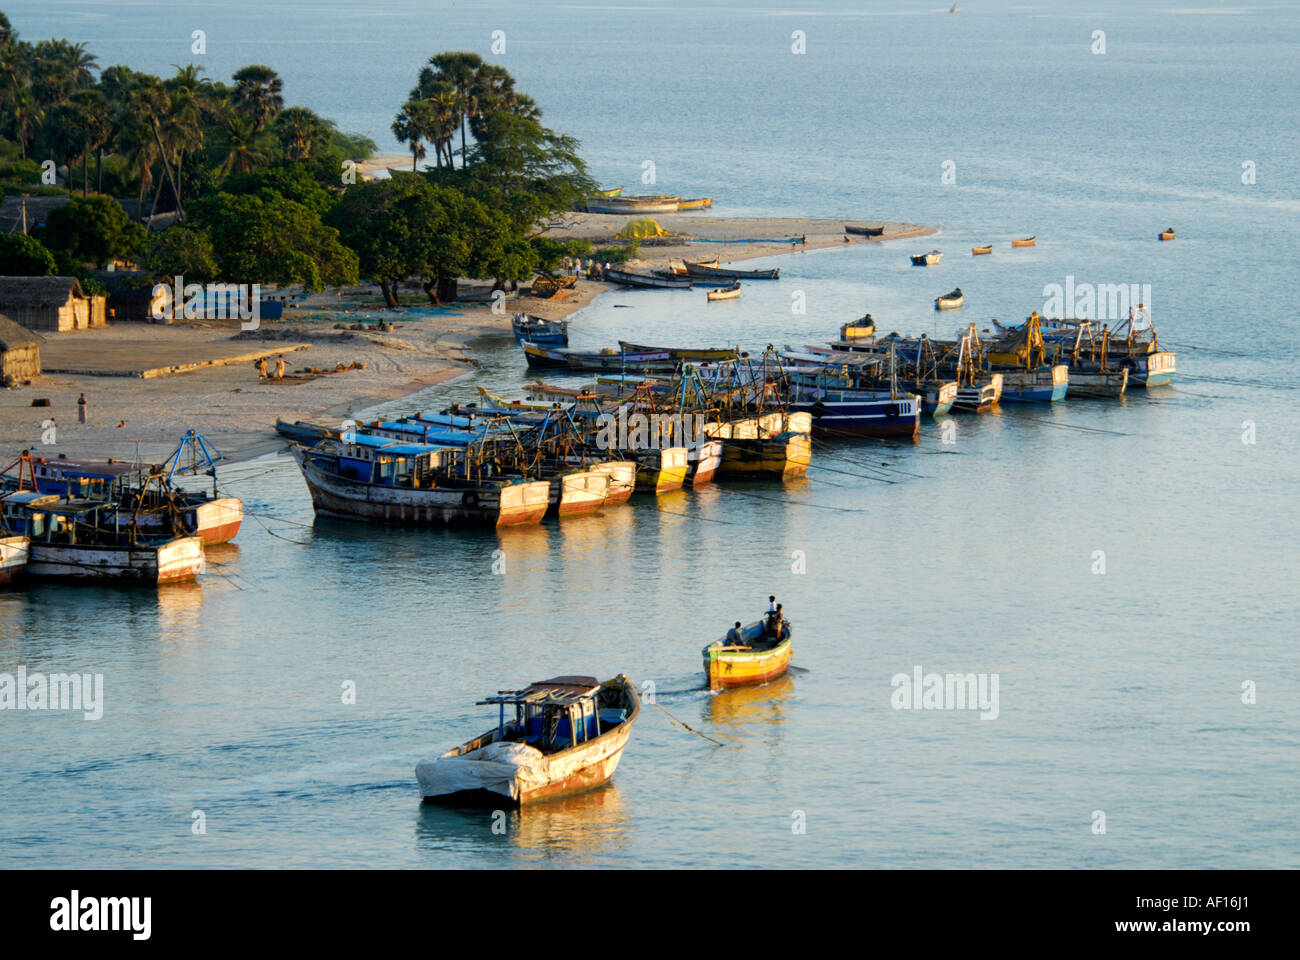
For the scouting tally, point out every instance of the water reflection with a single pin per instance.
(577, 827)
(739, 707)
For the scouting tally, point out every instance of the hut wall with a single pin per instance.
(21, 363)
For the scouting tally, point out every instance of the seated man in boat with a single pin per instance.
(734, 637)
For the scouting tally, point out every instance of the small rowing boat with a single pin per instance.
(758, 658)
(950, 301)
(981, 251)
(547, 333)
(695, 354)
(604, 362)
(1167, 234)
(927, 259)
(724, 293)
(1025, 242)
(863, 231)
(566, 736)
(696, 203)
(864, 328)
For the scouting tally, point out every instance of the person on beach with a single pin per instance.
(279, 367)
(261, 368)
(81, 408)
(734, 638)
(804, 240)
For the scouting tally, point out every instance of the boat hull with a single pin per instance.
(839, 414)
(1151, 370)
(733, 667)
(782, 457)
(507, 504)
(1036, 386)
(13, 559)
(175, 561)
(1097, 383)
(622, 479)
(576, 493)
(705, 458)
(662, 471)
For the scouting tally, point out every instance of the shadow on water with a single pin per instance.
(575, 828)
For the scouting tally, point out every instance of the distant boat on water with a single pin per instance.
(950, 301)
(981, 251)
(926, 259)
(1025, 242)
(724, 293)
(864, 231)
(629, 278)
(1167, 234)
(728, 273)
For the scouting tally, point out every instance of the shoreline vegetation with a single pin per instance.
(385, 280)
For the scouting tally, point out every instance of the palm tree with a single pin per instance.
(493, 89)
(242, 153)
(411, 126)
(27, 117)
(92, 111)
(183, 126)
(258, 94)
(301, 132)
(459, 70)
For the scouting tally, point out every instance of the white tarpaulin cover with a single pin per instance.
(503, 768)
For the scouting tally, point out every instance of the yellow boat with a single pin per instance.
(981, 251)
(696, 203)
(758, 659)
(724, 293)
(661, 471)
(1025, 242)
(861, 329)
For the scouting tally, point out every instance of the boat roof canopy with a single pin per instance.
(558, 691)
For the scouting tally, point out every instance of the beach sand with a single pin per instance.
(237, 411)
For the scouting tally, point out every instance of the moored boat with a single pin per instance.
(1167, 234)
(604, 362)
(758, 658)
(546, 333)
(1025, 242)
(1046, 384)
(308, 434)
(863, 231)
(981, 251)
(864, 328)
(13, 556)
(698, 269)
(630, 278)
(926, 259)
(847, 412)
(567, 735)
(1107, 384)
(704, 457)
(661, 470)
(695, 203)
(693, 354)
(950, 301)
(577, 492)
(730, 292)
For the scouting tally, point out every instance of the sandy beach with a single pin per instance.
(226, 399)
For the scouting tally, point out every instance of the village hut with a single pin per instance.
(54, 304)
(20, 352)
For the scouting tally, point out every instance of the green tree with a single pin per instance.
(92, 230)
(302, 134)
(268, 239)
(183, 250)
(258, 95)
(24, 256)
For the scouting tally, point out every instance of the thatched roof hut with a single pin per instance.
(50, 303)
(20, 352)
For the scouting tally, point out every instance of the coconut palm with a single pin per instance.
(243, 154)
(301, 133)
(412, 126)
(459, 70)
(92, 115)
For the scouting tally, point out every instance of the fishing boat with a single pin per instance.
(13, 553)
(848, 412)
(1101, 384)
(308, 434)
(609, 192)
(950, 301)
(415, 485)
(863, 231)
(759, 657)
(603, 362)
(622, 479)
(693, 354)
(566, 736)
(546, 333)
(981, 251)
(927, 259)
(724, 293)
(697, 269)
(1025, 242)
(72, 539)
(696, 203)
(776, 446)
(1046, 384)
(864, 328)
(704, 457)
(1167, 234)
(633, 205)
(629, 278)
(661, 470)
(577, 492)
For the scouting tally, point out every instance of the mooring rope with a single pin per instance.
(673, 720)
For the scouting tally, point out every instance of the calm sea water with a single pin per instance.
(1119, 692)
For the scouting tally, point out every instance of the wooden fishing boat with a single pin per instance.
(604, 362)
(1167, 234)
(629, 278)
(694, 354)
(1025, 242)
(1102, 384)
(783, 456)
(950, 301)
(981, 251)
(724, 293)
(861, 231)
(696, 203)
(704, 457)
(864, 328)
(414, 485)
(695, 269)
(566, 736)
(927, 259)
(622, 479)
(577, 492)
(1046, 384)
(1154, 369)
(546, 333)
(633, 205)
(660, 471)
(847, 412)
(610, 192)
(13, 556)
(758, 659)
(308, 434)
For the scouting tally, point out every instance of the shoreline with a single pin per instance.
(417, 347)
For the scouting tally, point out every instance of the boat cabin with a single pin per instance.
(556, 714)
(82, 479)
(27, 513)
(381, 460)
